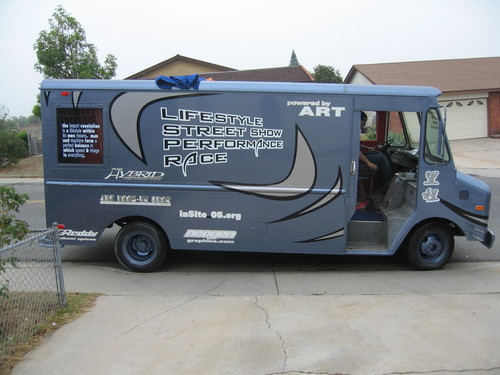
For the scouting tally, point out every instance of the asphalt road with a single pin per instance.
(465, 251)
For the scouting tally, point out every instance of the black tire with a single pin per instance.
(430, 247)
(140, 247)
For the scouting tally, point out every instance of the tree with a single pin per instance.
(20, 122)
(4, 115)
(63, 52)
(37, 111)
(326, 74)
(293, 60)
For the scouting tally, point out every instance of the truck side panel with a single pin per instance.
(216, 171)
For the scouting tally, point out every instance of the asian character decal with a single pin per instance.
(430, 195)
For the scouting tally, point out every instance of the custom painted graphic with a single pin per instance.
(125, 113)
(297, 183)
(475, 218)
(191, 137)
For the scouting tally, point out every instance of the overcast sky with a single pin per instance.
(249, 34)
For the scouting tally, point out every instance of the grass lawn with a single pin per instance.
(28, 167)
(12, 353)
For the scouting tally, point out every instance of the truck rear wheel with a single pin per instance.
(430, 247)
(140, 247)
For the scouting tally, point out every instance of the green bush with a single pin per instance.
(12, 148)
(23, 136)
(11, 229)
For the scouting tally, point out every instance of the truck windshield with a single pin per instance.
(436, 150)
(404, 132)
(404, 129)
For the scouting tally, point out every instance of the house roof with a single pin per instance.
(282, 74)
(477, 74)
(177, 58)
(224, 73)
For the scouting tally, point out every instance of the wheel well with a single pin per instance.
(454, 228)
(133, 219)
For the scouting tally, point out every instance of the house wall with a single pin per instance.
(178, 68)
(494, 114)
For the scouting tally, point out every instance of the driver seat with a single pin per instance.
(366, 179)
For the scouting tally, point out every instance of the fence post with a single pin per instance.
(61, 291)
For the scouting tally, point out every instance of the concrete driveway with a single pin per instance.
(221, 319)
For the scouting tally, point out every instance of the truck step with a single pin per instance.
(365, 248)
(368, 232)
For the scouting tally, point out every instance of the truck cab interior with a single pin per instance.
(383, 208)
(396, 135)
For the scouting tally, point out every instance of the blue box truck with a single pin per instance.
(258, 167)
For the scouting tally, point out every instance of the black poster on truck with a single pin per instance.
(79, 135)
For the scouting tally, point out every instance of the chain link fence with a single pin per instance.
(31, 287)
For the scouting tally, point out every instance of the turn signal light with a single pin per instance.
(479, 207)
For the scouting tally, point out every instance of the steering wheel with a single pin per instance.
(382, 146)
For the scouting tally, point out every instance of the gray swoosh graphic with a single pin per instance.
(330, 236)
(330, 196)
(125, 115)
(299, 181)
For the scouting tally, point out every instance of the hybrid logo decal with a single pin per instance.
(208, 135)
(318, 108)
(119, 174)
(210, 236)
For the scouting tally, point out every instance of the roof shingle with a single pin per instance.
(282, 74)
(477, 74)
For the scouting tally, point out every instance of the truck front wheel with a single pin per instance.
(430, 247)
(140, 247)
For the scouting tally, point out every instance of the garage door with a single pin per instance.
(467, 116)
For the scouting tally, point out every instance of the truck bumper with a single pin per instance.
(489, 239)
